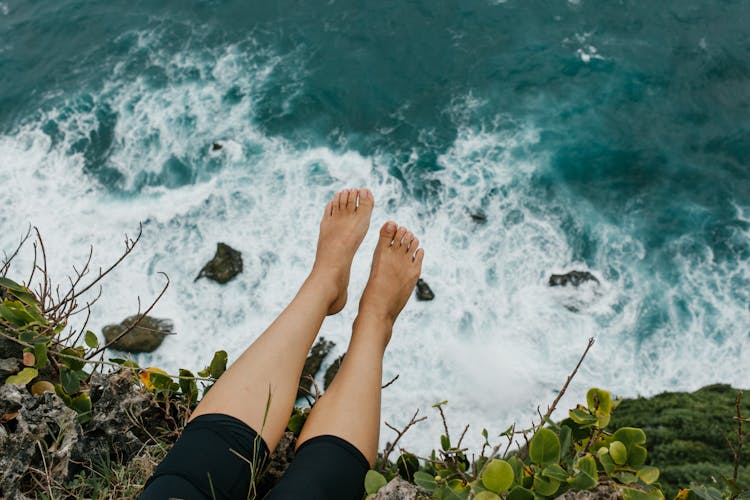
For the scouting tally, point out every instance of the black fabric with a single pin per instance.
(201, 464)
(324, 468)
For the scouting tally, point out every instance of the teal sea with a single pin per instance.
(604, 136)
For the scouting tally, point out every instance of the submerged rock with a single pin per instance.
(225, 265)
(573, 278)
(216, 146)
(332, 371)
(147, 336)
(424, 292)
(478, 216)
(312, 364)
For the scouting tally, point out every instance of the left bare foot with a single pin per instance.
(344, 225)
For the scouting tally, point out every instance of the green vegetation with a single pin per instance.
(641, 448)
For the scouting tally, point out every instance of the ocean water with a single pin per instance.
(609, 137)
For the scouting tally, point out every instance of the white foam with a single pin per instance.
(496, 342)
(4, 9)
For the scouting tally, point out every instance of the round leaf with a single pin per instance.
(41, 387)
(486, 495)
(497, 476)
(648, 474)
(618, 452)
(544, 448)
(374, 481)
(91, 339)
(520, 493)
(218, 364)
(545, 487)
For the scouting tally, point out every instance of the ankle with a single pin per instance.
(323, 286)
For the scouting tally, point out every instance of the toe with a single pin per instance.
(418, 258)
(329, 209)
(398, 239)
(366, 200)
(336, 202)
(408, 238)
(351, 200)
(413, 247)
(387, 233)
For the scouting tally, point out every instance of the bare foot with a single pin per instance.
(344, 225)
(396, 266)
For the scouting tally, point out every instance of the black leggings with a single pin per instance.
(205, 463)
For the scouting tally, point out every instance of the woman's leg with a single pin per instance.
(273, 363)
(350, 408)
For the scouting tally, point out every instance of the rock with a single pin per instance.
(606, 490)
(216, 146)
(145, 337)
(574, 278)
(37, 417)
(225, 265)
(478, 216)
(399, 489)
(112, 432)
(424, 292)
(332, 371)
(312, 364)
(8, 366)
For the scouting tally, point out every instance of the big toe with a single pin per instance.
(387, 233)
(365, 200)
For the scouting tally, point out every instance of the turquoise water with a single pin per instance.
(611, 137)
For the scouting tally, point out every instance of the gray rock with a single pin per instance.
(605, 491)
(9, 366)
(424, 292)
(312, 364)
(225, 265)
(281, 457)
(332, 371)
(398, 489)
(146, 337)
(38, 417)
(573, 278)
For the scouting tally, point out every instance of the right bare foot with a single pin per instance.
(396, 266)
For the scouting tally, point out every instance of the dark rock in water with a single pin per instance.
(573, 278)
(225, 265)
(145, 337)
(216, 146)
(332, 371)
(478, 216)
(424, 292)
(312, 364)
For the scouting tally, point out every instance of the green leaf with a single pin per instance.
(587, 464)
(565, 440)
(655, 494)
(624, 476)
(545, 487)
(498, 476)
(633, 439)
(517, 466)
(407, 464)
(600, 404)
(73, 358)
(12, 285)
(581, 416)
(554, 471)
(91, 339)
(82, 405)
(706, 492)
(188, 386)
(648, 474)
(445, 442)
(374, 481)
(582, 481)
(296, 421)
(40, 354)
(162, 383)
(606, 460)
(618, 452)
(218, 364)
(71, 379)
(425, 480)
(486, 495)
(23, 377)
(544, 448)
(520, 493)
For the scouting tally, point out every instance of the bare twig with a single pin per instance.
(560, 394)
(399, 434)
(8, 259)
(391, 381)
(458, 445)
